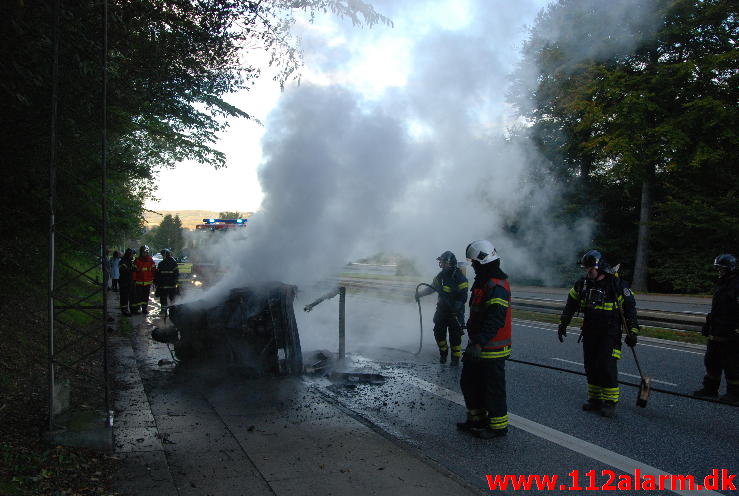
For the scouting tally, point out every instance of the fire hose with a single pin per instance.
(420, 315)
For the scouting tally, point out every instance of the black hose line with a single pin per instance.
(420, 315)
(665, 391)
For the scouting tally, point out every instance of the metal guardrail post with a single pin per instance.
(342, 323)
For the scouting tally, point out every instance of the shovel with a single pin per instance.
(644, 386)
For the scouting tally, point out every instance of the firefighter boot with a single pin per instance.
(592, 405)
(476, 419)
(488, 433)
(454, 362)
(608, 409)
(709, 390)
(442, 356)
(731, 398)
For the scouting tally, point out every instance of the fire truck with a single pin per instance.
(204, 269)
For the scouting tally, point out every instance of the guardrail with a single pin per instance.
(682, 321)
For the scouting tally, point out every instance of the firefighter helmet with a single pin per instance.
(593, 259)
(448, 259)
(128, 252)
(165, 252)
(727, 262)
(143, 250)
(481, 251)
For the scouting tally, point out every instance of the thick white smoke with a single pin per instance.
(415, 164)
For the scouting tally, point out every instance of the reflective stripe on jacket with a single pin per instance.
(490, 319)
(144, 270)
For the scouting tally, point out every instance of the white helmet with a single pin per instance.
(482, 250)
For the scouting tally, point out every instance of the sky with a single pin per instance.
(374, 62)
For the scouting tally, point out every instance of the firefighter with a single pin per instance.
(165, 279)
(489, 330)
(143, 277)
(126, 269)
(606, 303)
(722, 330)
(451, 285)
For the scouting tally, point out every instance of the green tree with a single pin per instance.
(170, 64)
(229, 215)
(629, 119)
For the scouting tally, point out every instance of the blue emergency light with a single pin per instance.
(224, 221)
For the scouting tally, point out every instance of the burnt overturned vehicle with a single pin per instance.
(252, 331)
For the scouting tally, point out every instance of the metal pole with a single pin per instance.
(104, 208)
(342, 323)
(52, 194)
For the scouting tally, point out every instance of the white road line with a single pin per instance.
(620, 373)
(554, 329)
(598, 453)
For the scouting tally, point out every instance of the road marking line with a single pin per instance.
(554, 329)
(621, 373)
(598, 453)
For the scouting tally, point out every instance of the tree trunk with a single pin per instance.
(642, 243)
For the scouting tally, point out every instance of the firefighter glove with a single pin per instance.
(562, 331)
(630, 339)
(473, 352)
(706, 329)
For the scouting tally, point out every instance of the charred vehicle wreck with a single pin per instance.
(252, 331)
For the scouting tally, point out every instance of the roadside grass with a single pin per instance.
(652, 332)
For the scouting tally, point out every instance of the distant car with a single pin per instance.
(157, 258)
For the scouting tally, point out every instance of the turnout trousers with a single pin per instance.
(166, 297)
(484, 389)
(722, 357)
(125, 293)
(140, 297)
(441, 324)
(601, 354)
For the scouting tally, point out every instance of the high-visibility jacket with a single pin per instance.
(600, 302)
(451, 286)
(166, 274)
(724, 316)
(144, 270)
(126, 270)
(489, 325)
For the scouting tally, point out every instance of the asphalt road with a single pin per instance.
(421, 401)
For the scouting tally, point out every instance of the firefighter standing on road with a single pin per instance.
(489, 329)
(126, 270)
(722, 330)
(451, 285)
(143, 278)
(165, 279)
(603, 297)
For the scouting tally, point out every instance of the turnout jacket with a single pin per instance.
(489, 324)
(451, 286)
(144, 270)
(724, 317)
(125, 271)
(599, 302)
(167, 274)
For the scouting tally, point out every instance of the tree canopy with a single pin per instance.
(171, 65)
(640, 118)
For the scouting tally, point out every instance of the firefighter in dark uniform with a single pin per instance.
(451, 285)
(489, 331)
(604, 299)
(165, 279)
(125, 281)
(722, 330)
